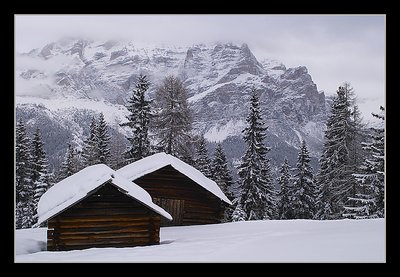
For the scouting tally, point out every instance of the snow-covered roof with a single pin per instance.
(154, 162)
(79, 185)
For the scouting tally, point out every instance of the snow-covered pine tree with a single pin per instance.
(103, 140)
(138, 121)
(23, 176)
(285, 208)
(238, 213)
(223, 177)
(258, 196)
(378, 162)
(335, 180)
(202, 161)
(304, 189)
(188, 153)
(70, 164)
(40, 173)
(90, 151)
(356, 137)
(368, 201)
(173, 123)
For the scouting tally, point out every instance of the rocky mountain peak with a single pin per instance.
(296, 73)
(218, 77)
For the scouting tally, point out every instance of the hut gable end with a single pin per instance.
(97, 207)
(106, 218)
(186, 201)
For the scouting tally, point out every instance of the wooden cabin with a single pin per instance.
(97, 208)
(183, 191)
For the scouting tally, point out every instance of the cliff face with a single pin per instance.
(66, 82)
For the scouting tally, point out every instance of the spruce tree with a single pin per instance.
(173, 123)
(201, 161)
(40, 174)
(103, 140)
(238, 213)
(70, 164)
(23, 176)
(377, 163)
(257, 194)
(90, 151)
(139, 122)
(285, 210)
(335, 180)
(368, 201)
(223, 177)
(23, 163)
(304, 190)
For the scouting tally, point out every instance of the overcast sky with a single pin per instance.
(334, 48)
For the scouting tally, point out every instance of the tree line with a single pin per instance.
(349, 184)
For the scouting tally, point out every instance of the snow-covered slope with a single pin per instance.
(68, 81)
(245, 241)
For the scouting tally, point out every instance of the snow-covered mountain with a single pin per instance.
(60, 86)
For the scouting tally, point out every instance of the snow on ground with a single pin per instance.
(251, 241)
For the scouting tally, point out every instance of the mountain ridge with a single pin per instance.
(100, 75)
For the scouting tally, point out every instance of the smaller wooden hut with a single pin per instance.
(183, 191)
(98, 208)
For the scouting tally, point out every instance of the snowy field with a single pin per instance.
(251, 241)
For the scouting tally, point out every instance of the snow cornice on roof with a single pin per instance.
(157, 161)
(76, 187)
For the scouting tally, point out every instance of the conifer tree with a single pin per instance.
(304, 189)
(70, 164)
(238, 213)
(368, 201)
(173, 123)
(139, 121)
(223, 177)
(258, 196)
(285, 196)
(23, 160)
(335, 179)
(23, 176)
(103, 139)
(201, 161)
(90, 151)
(40, 174)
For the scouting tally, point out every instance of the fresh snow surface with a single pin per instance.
(246, 241)
(203, 94)
(155, 162)
(298, 135)
(219, 133)
(113, 114)
(77, 186)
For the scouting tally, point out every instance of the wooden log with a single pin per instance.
(104, 236)
(89, 231)
(113, 245)
(104, 211)
(120, 218)
(97, 224)
(103, 242)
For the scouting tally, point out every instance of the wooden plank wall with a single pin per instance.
(107, 218)
(200, 205)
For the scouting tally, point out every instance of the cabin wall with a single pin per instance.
(107, 218)
(198, 205)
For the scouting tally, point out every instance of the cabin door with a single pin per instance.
(174, 207)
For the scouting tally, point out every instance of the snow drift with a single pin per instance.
(245, 241)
